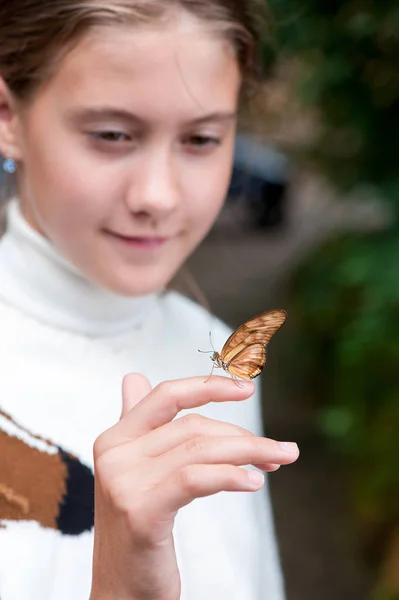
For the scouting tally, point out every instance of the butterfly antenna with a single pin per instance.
(208, 351)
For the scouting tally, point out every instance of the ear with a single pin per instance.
(9, 124)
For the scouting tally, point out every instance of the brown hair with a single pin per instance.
(34, 34)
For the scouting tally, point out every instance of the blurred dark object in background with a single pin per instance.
(259, 181)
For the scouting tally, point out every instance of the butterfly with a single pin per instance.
(244, 353)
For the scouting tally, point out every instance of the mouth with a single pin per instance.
(143, 242)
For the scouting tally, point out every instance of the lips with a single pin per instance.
(140, 241)
(141, 238)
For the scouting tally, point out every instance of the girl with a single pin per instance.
(119, 117)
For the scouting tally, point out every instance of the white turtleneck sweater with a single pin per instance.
(65, 346)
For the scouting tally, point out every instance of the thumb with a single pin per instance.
(135, 387)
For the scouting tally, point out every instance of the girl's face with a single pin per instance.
(126, 152)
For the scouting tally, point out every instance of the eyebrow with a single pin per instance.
(94, 114)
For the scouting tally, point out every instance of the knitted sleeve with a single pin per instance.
(42, 483)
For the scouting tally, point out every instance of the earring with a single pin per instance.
(9, 165)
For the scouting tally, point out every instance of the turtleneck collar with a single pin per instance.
(37, 279)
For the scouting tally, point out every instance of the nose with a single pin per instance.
(154, 188)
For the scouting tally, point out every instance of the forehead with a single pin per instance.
(181, 66)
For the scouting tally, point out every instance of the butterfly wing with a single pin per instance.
(249, 362)
(258, 330)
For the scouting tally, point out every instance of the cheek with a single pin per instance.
(208, 190)
(204, 205)
(61, 174)
(71, 187)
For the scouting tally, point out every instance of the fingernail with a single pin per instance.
(256, 477)
(290, 447)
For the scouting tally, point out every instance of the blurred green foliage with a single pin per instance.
(346, 306)
(348, 51)
(345, 294)
(381, 595)
(346, 310)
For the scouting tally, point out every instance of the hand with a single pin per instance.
(147, 466)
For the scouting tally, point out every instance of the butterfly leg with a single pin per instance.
(209, 376)
(236, 380)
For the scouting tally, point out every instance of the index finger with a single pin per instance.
(168, 398)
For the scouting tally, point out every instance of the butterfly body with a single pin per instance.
(226, 366)
(243, 355)
(219, 364)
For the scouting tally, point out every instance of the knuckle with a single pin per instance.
(255, 449)
(249, 433)
(254, 444)
(244, 432)
(99, 446)
(165, 387)
(104, 467)
(193, 422)
(187, 480)
(231, 475)
(196, 446)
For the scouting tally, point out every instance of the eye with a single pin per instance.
(202, 141)
(110, 136)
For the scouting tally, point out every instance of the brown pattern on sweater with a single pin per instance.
(46, 485)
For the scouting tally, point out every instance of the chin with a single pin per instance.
(135, 286)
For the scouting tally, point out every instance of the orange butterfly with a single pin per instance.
(244, 353)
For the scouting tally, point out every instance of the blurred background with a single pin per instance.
(311, 225)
